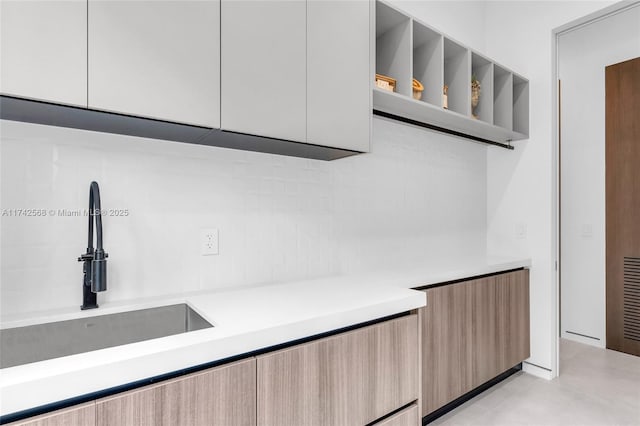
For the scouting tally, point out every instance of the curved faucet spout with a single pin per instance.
(95, 260)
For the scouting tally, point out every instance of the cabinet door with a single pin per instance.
(348, 379)
(483, 332)
(447, 353)
(339, 73)
(80, 415)
(222, 396)
(263, 68)
(43, 50)
(512, 303)
(157, 59)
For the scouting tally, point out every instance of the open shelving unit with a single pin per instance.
(407, 48)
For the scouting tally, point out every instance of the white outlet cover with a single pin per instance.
(587, 230)
(209, 241)
(521, 230)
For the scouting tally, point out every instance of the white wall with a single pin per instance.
(417, 195)
(582, 72)
(520, 184)
(462, 20)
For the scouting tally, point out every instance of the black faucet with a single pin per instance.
(95, 261)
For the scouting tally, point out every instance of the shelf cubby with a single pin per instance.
(427, 62)
(407, 48)
(520, 105)
(502, 97)
(482, 69)
(457, 75)
(393, 46)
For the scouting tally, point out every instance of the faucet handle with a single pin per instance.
(86, 257)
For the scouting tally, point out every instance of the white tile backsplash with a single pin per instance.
(417, 195)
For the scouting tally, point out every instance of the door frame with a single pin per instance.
(596, 16)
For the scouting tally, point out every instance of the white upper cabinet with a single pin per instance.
(339, 73)
(157, 59)
(43, 50)
(263, 72)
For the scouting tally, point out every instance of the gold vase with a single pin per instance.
(475, 98)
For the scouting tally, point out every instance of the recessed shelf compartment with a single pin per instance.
(407, 48)
(393, 46)
(457, 76)
(502, 97)
(482, 70)
(520, 104)
(427, 62)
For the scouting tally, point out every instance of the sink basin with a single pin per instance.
(23, 345)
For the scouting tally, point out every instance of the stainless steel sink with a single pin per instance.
(23, 345)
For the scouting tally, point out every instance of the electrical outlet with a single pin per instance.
(208, 241)
(521, 231)
(587, 230)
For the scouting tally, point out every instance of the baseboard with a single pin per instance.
(591, 341)
(536, 370)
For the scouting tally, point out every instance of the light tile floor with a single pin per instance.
(595, 387)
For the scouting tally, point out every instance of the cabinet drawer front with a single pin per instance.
(222, 396)
(80, 415)
(407, 417)
(348, 379)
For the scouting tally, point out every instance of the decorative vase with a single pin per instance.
(475, 95)
(417, 89)
(445, 97)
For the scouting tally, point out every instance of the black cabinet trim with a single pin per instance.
(51, 114)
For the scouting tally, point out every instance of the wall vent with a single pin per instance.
(632, 298)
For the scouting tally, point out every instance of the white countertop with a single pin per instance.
(244, 320)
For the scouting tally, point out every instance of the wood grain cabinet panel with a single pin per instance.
(446, 345)
(348, 379)
(512, 301)
(484, 338)
(79, 415)
(407, 417)
(472, 331)
(222, 396)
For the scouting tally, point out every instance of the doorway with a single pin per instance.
(583, 53)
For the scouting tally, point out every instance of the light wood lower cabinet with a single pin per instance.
(407, 417)
(472, 331)
(222, 396)
(352, 378)
(446, 348)
(79, 415)
(512, 299)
